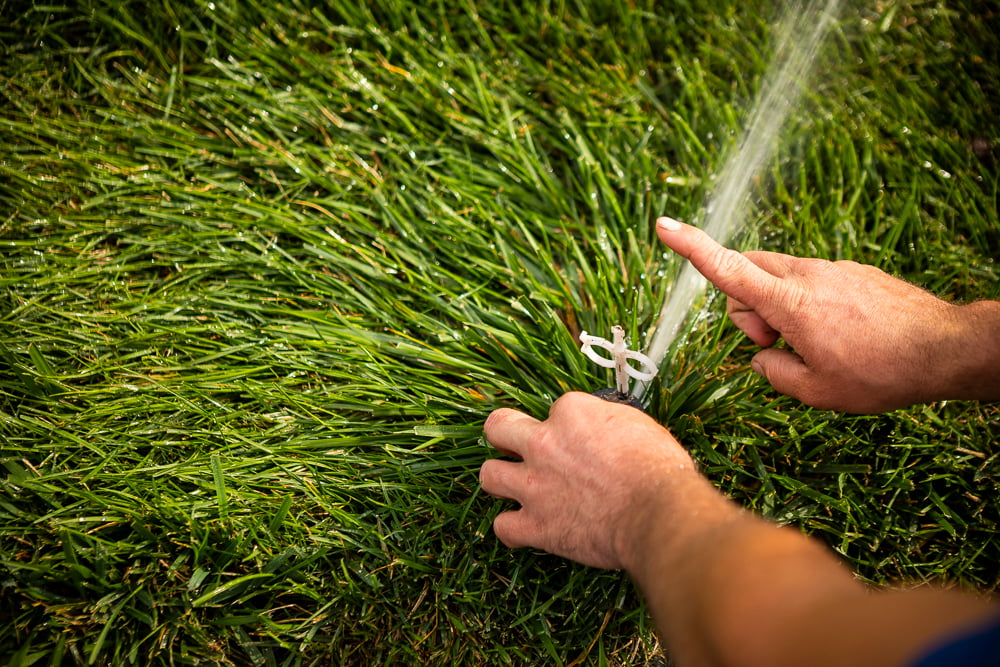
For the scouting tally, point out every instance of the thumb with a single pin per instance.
(785, 370)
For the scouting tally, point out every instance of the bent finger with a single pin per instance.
(501, 479)
(729, 270)
(509, 430)
(515, 529)
(785, 370)
(752, 324)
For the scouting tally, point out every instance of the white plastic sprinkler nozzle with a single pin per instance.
(620, 354)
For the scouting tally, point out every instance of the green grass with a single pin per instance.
(266, 271)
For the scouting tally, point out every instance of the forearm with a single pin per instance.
(724, 593)
(741, 591)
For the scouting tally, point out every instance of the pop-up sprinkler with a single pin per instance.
(620, 355)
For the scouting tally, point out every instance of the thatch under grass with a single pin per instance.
(266, 271)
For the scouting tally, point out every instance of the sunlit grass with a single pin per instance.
(266, 271)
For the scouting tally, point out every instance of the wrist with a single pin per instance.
(976, 354)
(678, 513)
(673, 560)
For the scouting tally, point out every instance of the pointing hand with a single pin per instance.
(858, 339)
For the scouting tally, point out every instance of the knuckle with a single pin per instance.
(851, 265)
(539, 443)
(727, 261)
(568, 402)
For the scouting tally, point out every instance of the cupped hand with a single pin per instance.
(591, 479)
(860, 340)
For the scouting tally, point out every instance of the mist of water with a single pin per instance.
(800, 34)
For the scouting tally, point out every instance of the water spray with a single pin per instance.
(801, 34)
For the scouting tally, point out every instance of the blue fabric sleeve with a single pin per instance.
(978, 646)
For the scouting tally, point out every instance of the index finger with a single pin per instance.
(729, 270)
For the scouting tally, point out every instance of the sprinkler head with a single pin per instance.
(620, 356)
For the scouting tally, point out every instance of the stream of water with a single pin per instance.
(799, 35)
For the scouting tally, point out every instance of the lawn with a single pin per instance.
(266, 269)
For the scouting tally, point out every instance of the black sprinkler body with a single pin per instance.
(612, 395)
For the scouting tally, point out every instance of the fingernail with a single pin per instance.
(668, 224)
(756, 367)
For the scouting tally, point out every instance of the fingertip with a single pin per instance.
(669, 224)
(508, 527)
(684, 239)
(498, 417)
(501, 479)
(509, 431)
(492, 419)
(671, 233)
(486, 474)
